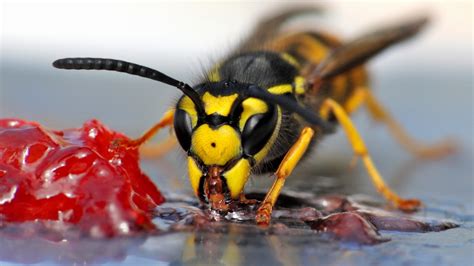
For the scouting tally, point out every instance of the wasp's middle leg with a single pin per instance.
(287, 165)
(360, 149)
(421, 150)
(362, 95)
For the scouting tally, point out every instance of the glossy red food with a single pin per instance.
(76, 176)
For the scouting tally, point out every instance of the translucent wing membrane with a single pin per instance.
(359, 50)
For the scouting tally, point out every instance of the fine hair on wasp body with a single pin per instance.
(263, 107)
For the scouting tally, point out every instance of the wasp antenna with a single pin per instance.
(291, 106)
(86, 63)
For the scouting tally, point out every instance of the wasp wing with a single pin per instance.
(269, 27)
(358, 51)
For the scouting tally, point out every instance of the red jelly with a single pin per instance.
(73, 176)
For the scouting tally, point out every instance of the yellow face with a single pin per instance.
(221, 144)
(218, 147)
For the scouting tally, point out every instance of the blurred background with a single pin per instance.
(426, 83)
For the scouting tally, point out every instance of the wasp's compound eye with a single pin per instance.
(258, 130)
(183, 128)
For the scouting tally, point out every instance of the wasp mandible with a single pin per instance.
(264, 106)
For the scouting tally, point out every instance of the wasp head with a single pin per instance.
(224, 141)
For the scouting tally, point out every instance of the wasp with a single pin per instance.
(274, 98)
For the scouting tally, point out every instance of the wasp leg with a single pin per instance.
(357, 99)
(360, 149)
(413, 146)
(284, 170)
(166, 120)
(363, 95)
(159, 149)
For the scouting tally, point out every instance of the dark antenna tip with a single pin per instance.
(57, 63)
(62, 64)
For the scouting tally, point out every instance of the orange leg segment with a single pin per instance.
(360, 149)
(158, 150)
(166, 120)
(284, 170)
(379, 114)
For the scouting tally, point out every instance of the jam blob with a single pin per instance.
(76, 176)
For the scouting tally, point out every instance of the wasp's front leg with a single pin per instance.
(287, 165)
(166, 121)
(157, 150)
